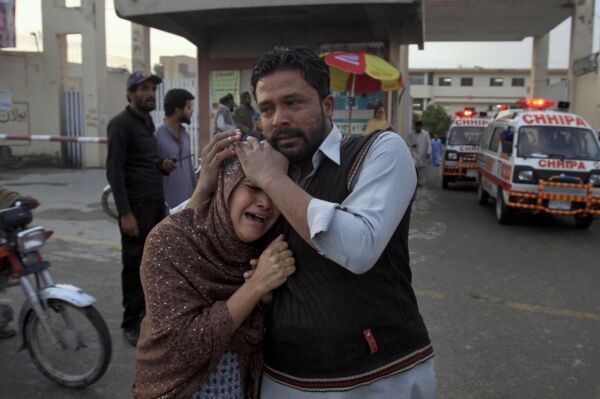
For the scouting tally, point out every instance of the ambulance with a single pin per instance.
(462, 144)
(542, 161)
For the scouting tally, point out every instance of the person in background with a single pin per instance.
(436, 150)
(420, 147)
(174, 143)
(224, 118)
(8, 199)
(135, 171)
(243, 114)
(257, 130)
(377, 122)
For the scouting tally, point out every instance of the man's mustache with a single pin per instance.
(284, 132)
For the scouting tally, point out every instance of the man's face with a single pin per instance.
(418, 128)
(247, 100)
(144, 96)
(185, 113)
(293, 117)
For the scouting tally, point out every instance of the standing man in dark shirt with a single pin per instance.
(135, 171)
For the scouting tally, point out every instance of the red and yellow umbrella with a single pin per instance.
(361, 72)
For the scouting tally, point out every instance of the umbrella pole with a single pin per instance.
(351, 103)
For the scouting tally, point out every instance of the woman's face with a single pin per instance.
(251, 210)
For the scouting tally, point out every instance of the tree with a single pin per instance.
(436, 120)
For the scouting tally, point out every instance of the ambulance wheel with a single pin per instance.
(583, 222)
(502, 211)
(482, 195)
(444, 182)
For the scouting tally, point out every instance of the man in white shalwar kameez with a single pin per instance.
(420, 148)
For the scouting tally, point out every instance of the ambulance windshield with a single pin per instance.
(467, 135)
(557, 142)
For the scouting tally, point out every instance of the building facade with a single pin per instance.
(479, 88)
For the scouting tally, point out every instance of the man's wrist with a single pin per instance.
(273, 181)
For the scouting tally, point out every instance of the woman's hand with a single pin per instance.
(214, 153)
(275, 265)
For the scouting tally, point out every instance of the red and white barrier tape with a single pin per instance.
(67, 139)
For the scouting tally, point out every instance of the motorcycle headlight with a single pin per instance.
(451, 156)
(595, 179)
(31, 239)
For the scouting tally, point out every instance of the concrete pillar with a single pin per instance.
(93, 40)
(203, 97)
(539, 66)
(400, 101)
(88, 20)
(140, 48)
(55, 61)
(582, 36)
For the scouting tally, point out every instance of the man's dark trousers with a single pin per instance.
(147, 214)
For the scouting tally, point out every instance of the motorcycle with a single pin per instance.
(108, 202)
(66, 337)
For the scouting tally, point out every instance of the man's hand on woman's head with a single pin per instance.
(261, 162)
(214, 153)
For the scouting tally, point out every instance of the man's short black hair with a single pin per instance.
(313, 68)
(176, 98)
(418, 123)
(226, 98)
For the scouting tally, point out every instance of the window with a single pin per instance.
(496, 139)
(430, 79)
(487, 135)
(444, 81)
(466, 81)
(496, 81)
(557, 142)
(417, 79)
(518, 82)
(418, 104)
(465, 135)
(183, 68)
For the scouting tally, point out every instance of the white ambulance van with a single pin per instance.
(462, 144)
(542, 161)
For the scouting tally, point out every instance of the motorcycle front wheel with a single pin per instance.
(77, 351)
(108, 203)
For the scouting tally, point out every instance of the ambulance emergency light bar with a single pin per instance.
(469, 113)
(537, 103)
(466, 113)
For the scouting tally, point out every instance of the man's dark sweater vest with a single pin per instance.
(330, 329)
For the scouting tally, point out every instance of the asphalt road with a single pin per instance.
(513, 311)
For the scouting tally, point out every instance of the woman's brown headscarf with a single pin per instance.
(193, 262)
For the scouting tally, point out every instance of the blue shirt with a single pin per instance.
(179, 184)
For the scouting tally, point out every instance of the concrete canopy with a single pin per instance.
(204, 22)
(492, 20)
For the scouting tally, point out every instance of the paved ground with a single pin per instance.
(513, 311)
